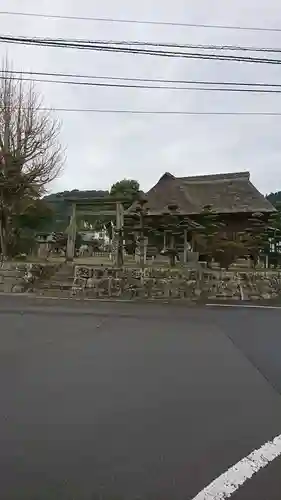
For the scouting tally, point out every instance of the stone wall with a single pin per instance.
(163, 283)
(153, 283)
(23, 277)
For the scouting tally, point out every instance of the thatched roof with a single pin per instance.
(225, 193)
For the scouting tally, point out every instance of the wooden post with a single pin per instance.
(141, 240)
(137, 250)
(119, 234)
(192, 243)
(71, 239)
(145, 245)
(3, 249)
(172, 247)
(122, 215)
(185, 251)
(165, 242)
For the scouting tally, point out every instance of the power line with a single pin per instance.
(146, 87)
(139, 43)
(96, 46)
(136, 21)
(136, 79)
(160, 112)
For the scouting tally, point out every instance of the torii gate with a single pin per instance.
(117, 212)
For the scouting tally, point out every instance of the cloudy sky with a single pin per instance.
(102, 148)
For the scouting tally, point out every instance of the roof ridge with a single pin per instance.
(217, 177)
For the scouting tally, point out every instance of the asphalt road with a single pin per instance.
(121, 401)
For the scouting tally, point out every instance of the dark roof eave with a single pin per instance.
(159, 213)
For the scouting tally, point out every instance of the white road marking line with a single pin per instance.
(245, 306)
(226, 484)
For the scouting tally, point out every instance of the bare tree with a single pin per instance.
(31, 155)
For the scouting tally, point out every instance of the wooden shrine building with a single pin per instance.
(231, 196)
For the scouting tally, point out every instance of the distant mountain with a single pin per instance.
(75, 193)
(62, 209)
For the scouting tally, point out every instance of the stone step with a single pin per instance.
(61, 272)
(55, 285)
(58, 277)
(55, 293)
(65, 270)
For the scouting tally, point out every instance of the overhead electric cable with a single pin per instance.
(137, 79)
(95, 46)
(146, 87)
(139, 21)
(161, 112)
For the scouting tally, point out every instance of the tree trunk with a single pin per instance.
(3, 242)
(172, 252)
(173, 260)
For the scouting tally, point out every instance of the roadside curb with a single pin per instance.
(142, 301)
(98, 300)
(244, 306)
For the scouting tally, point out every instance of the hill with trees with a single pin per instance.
(62, 209)
(127, 189)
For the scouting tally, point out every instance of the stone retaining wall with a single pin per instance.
(164, 283)
(152, 283)
(23, 277)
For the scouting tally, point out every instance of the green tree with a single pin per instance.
(227, 251)
(215, 242)
(274, 198)
(35, 215)
(272, 237)
(170, 221)
(255, 237)
(129, 189)
(32, 216)
(209, 234)
(30, 153)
